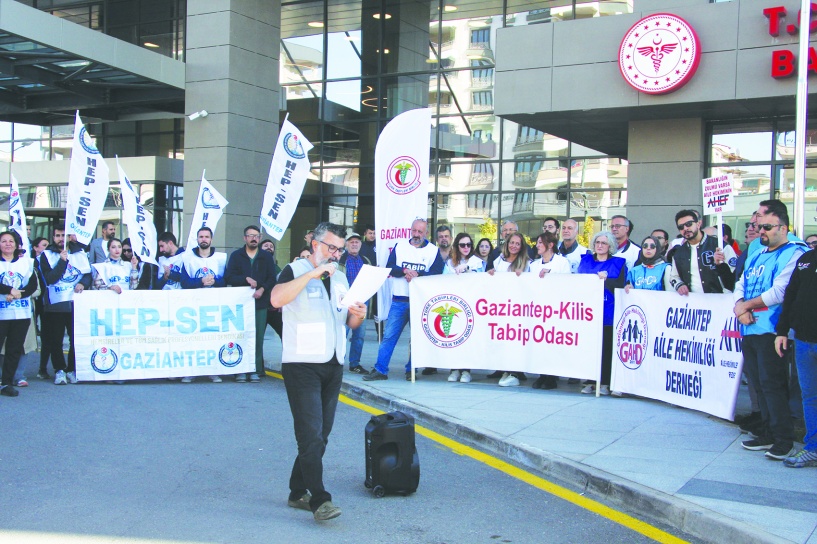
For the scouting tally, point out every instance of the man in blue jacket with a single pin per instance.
(249, 266)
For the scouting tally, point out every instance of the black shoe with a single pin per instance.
(755, 429)
(551, 382)
(358, 370)
(540, 381)
(520, 376)
(495, 375)
(748, 419)
(374, 375)
(428, 371)
(408, 376)
(9, 391)
(573, 381)
(758, 444)
(779, 451)
(43, 375)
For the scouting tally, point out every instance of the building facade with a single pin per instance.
(531, 115)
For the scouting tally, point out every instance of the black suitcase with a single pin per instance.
(392, 464)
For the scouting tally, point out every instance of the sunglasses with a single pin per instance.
(686, 225)
(751, 225)
(649, 246)
(767, 227)
(465, 244)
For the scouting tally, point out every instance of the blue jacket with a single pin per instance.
(616, 269)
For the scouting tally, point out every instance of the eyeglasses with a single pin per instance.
(767, 227)
(602, 242)
(333, 249)
(659, 237)
(751, 225)
(127, 250)
(618, 226)
(465, 244)
(686, 225)
(252, 236)
(649, 246)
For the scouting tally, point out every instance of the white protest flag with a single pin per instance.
(286, 180)
(141, 230)
(209, 207)
(17, 215)
(87, 186)
(401, 160)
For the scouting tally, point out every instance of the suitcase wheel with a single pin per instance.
(379, 491)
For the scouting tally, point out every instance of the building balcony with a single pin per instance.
(477, 212)
(481, 178)
(525, 180)
(482, 107)
(479, 50)
(482, 82)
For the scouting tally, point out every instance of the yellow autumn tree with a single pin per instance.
(488, 229)
(587, 232)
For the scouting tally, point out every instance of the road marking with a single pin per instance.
(531, 479)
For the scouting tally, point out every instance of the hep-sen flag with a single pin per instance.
(141, 230)
(88, 180)
(286, 180)
(17, 215)
(209, 207)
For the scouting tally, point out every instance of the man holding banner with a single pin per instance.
(699, 265)
(759, 296)
(66, 272)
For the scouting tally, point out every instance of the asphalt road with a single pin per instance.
(210, 463)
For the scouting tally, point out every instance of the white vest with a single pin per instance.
(198, 267)
(175, 264)
(78, 265)
(414, 258)
(114, 273)
(314, 326)
(557, 265)
(16, 274)
(575, 256)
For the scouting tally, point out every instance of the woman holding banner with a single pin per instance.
(651, 274)
(18, 283)
(549, 262)
(613, 270)
(514, 258)
(114, 273)
(461, 261)
(483, 249)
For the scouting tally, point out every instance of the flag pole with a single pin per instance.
(801, 121)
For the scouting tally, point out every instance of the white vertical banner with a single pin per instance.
(401, 160)
(209, 207)
(286, 180)
(17, 215)
(141, 230)
(88, 180)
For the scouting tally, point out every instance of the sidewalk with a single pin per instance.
(674, 465)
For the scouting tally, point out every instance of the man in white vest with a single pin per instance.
(408, 260)
(203, 267)
(314, 344)
(569, 247)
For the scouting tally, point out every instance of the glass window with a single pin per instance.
(521, 140)
(467, 136)
(469, 176)
(5, 131)
(741, 143)
(31, 151)
(301, 55)
(529, 12)
(747, 180)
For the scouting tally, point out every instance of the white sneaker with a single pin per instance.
(59, 378)
(215, 379)
(604, 391)
(71, 377)
(618, 394)
(187, 379)
(454, 376)
(589, 389)
(465, 377)
(508, 380)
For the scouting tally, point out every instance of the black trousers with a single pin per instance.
(606, 354)
(54, 325)
(13, 334)
(275, 319)
(768, 374)
(312, 390)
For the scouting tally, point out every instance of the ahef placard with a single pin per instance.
(718, 196)
(550, 325)
(161, 334)
(681, 350)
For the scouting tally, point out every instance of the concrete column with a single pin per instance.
(666, 166)
(232, 72)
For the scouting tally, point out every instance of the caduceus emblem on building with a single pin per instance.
(656, 52)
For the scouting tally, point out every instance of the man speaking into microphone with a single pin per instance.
(314, 344)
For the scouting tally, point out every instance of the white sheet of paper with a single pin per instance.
(367, 282)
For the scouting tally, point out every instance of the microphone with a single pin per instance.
(326, 274)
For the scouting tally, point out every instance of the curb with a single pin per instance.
(651, 504)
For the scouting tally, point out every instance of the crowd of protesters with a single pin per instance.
(770, 278)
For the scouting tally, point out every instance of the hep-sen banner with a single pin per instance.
(681, 350)
(550, 325)
(160, 334)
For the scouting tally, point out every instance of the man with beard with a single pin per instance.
(66, 272)
(309, 291)
(408, 259)
(98, 249)
(368, 249)
(759, 296)
(170, 264)
(444, 241)
(203, 268)
(699, 265)
(252, 267)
